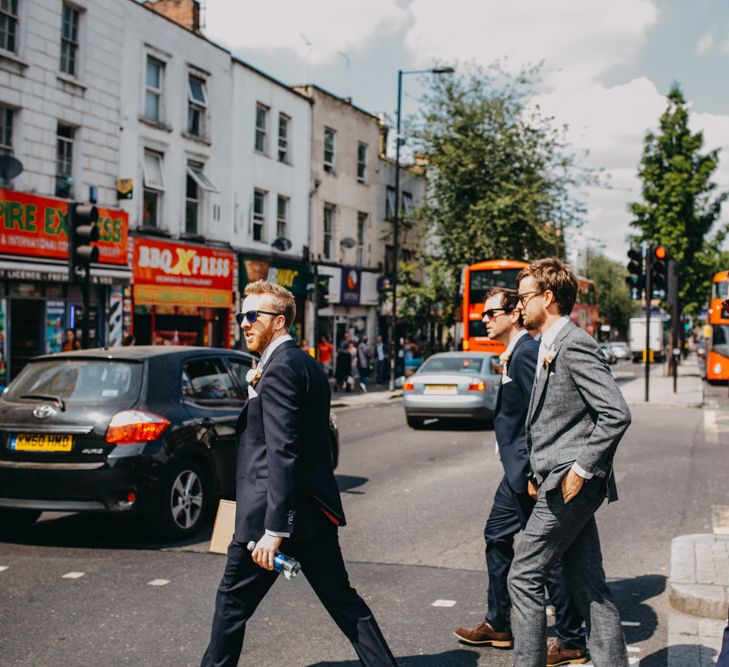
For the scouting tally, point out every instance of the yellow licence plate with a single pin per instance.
(440, 388)
(28, 442)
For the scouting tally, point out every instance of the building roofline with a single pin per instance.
(343, 100)
(239, 61)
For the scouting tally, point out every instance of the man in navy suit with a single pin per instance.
(286, 492)
(514, 498)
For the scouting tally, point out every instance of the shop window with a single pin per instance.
(208, 379)
(9, 25)
(196, 105)
(328, 230)
(284, 123)
(153, 82)
(154, 185)
(361, 163)
(65, 136)
(69, 40)
(261, 128)
(361, 225)
(329, 140)
(259, 215)
(282, 214)
(6, 131)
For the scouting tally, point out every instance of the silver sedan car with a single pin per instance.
(453, 385)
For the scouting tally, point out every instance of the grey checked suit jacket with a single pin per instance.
(576, 412)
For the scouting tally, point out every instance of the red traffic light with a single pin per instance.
(660, 252)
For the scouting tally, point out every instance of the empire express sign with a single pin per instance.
(36, 226)
(168, 273)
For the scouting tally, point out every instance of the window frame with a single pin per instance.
(282, 222)
(390, 202)
(192, 203)
(70, 44)
(11, 21)
(66, 159)
(211, 401)
(327, 234)
(361, 230)
(361, 163)
(153, 188)
(261, 130)
(195, 106)
(330, 164)
(284, 153)
(7, 128)
(406, 208)
(150, 90)
(259, 218)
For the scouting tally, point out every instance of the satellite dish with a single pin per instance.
(10, 167)
(347, 242)
(281, 243)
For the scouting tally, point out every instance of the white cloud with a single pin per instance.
(705, 43)
(330, 26)
(578, 40)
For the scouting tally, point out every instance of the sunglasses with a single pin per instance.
(490, 312)
(252, 315)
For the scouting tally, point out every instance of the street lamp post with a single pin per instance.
(394, 340)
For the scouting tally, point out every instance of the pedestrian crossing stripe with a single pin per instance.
(72, 575)
(3, 567)
(158, 582)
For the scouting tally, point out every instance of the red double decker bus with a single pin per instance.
(717, 349)
(479, 278)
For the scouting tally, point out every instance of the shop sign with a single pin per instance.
(294, 277)
(351, 285)
(182, 274)
(36, 226)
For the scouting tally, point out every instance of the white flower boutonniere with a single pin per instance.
(549, 355)
(253, 375)
(504, 361)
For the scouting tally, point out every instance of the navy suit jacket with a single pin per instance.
(284, 477)
(512, 404)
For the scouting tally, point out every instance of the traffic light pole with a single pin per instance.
(648, 298)
(85, 290)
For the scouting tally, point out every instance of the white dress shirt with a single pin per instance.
(264, 358)
(548, 338)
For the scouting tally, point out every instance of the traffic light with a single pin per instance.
(322, 291)
(82, 232)
(660, 267)
(635, 278)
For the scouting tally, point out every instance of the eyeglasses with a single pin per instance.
(490, 312)
(252, 315)
(524, 301)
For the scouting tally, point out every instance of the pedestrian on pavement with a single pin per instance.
(723, 660)
(575, 420)
(512, 504)
(353, 379)
(325, 354)
(364, 361)
(381, 360)
(72, 342)
(286, 492)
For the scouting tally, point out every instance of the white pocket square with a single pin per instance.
(505, 379)
(252, 393)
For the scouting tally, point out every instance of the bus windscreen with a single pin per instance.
(482, 281)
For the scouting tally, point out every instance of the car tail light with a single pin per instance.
(408, 386)
(130, 426)
(480, 386)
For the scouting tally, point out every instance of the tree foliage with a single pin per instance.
(500, 176)
(616, 306)
(680, 202)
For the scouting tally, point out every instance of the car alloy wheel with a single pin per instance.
(186, 499)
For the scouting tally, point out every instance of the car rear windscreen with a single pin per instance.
(471, 365)
(78, 381)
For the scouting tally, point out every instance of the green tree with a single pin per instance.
(613, 296)
(500, 175)
(680, 202)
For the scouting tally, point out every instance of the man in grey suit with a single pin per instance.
(575, 420)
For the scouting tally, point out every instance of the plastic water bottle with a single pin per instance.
(288, 566)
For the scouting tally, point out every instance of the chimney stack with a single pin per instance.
(183, 12)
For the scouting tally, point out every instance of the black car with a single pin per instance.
(149, 430)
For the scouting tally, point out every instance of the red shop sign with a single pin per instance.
(31, 225)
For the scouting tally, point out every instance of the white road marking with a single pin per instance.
(633, 649)
(720, 519)
(633, 661)
(158, 582)
(73, 575)
(444, 603)
(711, 429)
(630, 624)
(3, 567)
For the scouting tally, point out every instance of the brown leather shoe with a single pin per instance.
(484, 635)
(559, 655)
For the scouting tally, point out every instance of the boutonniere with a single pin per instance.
(548, 357)
(253, 375)
(504, 361)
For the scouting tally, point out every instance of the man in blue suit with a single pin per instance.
(514, 498)
(286, 494)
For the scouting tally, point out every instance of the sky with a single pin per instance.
(607, 69)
